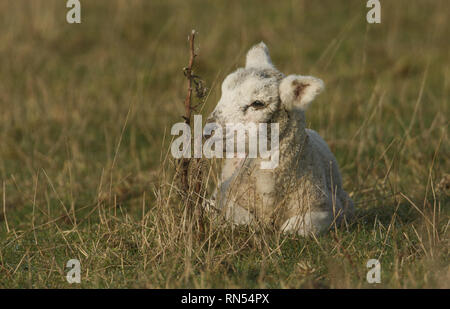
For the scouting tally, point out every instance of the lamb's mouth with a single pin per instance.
(208, 136)
(213, 139)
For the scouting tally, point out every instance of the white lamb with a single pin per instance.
(304, 194)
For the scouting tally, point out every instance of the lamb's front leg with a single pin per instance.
(312, 222)
(226, 194)
(238, 215)
(233, 212)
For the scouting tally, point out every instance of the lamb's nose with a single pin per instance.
(210, 119)
(211, 122)
(207, 136)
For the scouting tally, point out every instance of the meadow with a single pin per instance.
(85, 117)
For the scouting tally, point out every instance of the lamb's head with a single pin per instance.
(256, 92)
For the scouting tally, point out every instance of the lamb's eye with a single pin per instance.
(257, 104)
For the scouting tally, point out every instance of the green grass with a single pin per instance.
(85, 118)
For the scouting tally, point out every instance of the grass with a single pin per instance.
(85, 121)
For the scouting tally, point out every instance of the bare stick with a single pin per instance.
(188, 72)
(4, 207)
(195, 212)
(187, 109)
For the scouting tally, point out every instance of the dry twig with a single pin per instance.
(194, 211)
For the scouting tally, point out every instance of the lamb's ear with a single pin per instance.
(258, 57)
(298, 91)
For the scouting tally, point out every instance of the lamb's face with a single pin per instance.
(252, 94)
(248, 95)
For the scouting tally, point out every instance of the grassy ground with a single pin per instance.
(85, 117)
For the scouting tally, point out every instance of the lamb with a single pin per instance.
(304, 193)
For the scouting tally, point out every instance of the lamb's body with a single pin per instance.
(304, 193)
